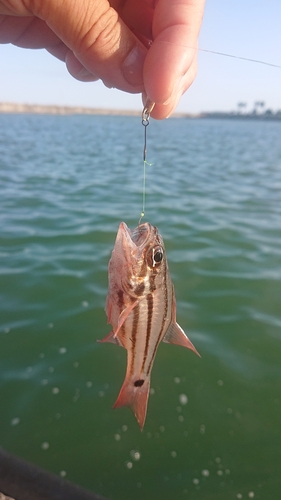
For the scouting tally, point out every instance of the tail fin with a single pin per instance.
(135, 395)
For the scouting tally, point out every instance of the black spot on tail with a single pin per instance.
(138, 383)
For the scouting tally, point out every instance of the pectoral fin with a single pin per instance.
(176, 335)
(113, 335)
(124, 315)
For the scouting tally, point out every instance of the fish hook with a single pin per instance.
(149, 105)
(145, 117)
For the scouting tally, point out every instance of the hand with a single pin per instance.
(146, 46)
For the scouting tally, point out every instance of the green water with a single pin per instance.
(213, 429)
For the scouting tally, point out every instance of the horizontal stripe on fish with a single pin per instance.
(166, 317)
(149, 301)
(133, 334)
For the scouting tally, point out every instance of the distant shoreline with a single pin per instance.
(232, 115)
(45, 109)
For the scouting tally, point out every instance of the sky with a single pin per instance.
(244, 28)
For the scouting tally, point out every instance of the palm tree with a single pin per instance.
(258, 104)
(240, 106)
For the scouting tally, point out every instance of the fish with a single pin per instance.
(141, 307)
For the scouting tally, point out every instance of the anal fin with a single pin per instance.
(176, 335)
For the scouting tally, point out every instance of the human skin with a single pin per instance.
(138, 46)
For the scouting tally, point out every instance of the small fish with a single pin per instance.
(141, 307)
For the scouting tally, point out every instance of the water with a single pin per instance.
(214, 191)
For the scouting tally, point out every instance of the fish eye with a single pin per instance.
(157, 255)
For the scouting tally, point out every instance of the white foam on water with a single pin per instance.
(183, 399)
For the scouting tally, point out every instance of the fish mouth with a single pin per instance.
(138, 236)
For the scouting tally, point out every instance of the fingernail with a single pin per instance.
(175, 93)
(132, 67)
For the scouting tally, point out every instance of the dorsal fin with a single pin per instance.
(110, 338)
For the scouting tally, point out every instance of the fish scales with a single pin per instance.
(141, 308)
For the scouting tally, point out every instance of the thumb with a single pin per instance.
(100, 44)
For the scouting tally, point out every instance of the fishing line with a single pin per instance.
(249, 59)
(237, 57)
(149, 105)
(145, 122)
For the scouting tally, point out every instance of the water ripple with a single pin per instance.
(213, 190)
